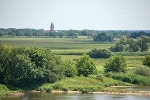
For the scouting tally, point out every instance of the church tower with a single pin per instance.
(52, 27)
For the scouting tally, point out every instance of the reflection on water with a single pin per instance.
(61, 96)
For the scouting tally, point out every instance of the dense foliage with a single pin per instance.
(28, 67)
(70, 69)
(85, 66)
(115, 64)
(100, 53)
(103, 37)
(146, 61)
(131, 45)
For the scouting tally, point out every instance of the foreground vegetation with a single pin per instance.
(54, 64)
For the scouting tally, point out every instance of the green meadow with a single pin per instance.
(73, 48)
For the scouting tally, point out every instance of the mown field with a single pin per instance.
(73, 48)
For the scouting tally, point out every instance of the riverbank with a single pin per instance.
(108, 90)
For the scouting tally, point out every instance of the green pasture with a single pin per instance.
(73, 48)
(57, 45)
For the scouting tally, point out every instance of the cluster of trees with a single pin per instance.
(100, 53)
(131, 45)
(27, 67)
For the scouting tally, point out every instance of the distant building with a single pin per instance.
(52, 27)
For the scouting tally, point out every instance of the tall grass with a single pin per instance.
(78, 83)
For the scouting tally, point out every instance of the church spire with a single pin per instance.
(52, 27)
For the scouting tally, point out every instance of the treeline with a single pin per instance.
(12, 32)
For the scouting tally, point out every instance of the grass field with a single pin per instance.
(73, 48)
(57, 45)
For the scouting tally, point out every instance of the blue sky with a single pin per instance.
(76, 14)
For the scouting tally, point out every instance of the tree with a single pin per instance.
(85, 66)
(115, 64)
(143, 43)
(103, 37)
(133, 46)
(72, 33)
(146, 61)
(70, 69)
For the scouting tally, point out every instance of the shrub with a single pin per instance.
(99, 53)
(115, 64)
(142, 70)
(85, 66)
(123, 77)
(146, 61)
(48, 90)
(84, 90)
(70, 69)
(57, 87)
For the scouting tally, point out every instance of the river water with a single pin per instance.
(66, 96)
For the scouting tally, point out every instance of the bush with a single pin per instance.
(115, 64)
(85, 66)
(130, 78)
(70, 69)
(146, 61)
(142, 70)
(123, 77)
(48, 90)
(57, 87)
(99, 53)
(141, 80)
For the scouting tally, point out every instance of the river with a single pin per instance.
(66, 96)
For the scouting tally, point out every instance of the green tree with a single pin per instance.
(115, 64)
(133, 46)
(85, 66)
(146, 61)
(70, 69)
(72, 33)
(143, 43)
(103, 37)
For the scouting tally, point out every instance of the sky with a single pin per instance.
(76, 14)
